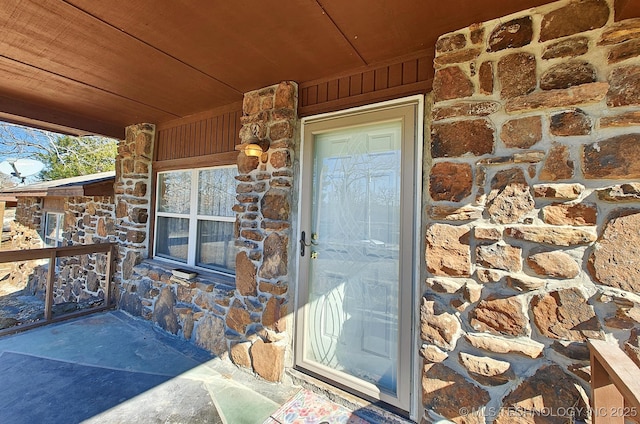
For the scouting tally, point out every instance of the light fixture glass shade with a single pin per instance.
(253, 150)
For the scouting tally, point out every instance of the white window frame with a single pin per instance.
(58, 238)
(193, 218)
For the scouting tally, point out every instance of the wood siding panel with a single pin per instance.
(403, 77)
(208, 133)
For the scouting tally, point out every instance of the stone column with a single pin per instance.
(264, 232)
(133, 198)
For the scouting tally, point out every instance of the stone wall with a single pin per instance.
(245, 319)
(80, 281)
(132, 209)
(264, 217)
(533, 209)
(29, 212)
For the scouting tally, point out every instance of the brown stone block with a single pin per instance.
(268, 360)
(575, 122)
(465, 109)
(485, 78)
(487, 371)
(459, 56)
(568, 74)
(624, 51)
(517, 75)
(246, 164)
(565, 315)
(550, 389)
(487, 233)
(570, 47)
(438, 326)
(451, 83)
(491, 343)
(274, 311)
(244, 198)
(454, 213)
(476, 33)
(629, 192)
(275, 253)
(558, 165)
(613, 158)
(134, 236)
(628, 119)
(522, 133)
(251, 103)
(450, 181)
(451, 42)
(280, 159)
(498, 256)
(239, 354)
(444, 391)
(280, 130)
(620, 32)
(574, 96)
(580, 214)
(624, 86)
(554, 236)
(277, 289)
(510, 199)
(511, 34)
(576, 16)
(458, 138)
(238, 318)
(144, 144)
(210, 334)
(246, 283)
(275, 205)
(615, 261)
(285, 95)
(447, 250)
(555, 264)
(524, 284)
(254, 235)
(500, 316)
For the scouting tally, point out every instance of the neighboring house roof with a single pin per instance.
(100, 184)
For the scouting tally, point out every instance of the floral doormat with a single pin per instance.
(309, 408)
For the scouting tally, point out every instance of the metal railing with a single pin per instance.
(52, 253)
(615, 384)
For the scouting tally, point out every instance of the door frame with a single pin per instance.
(414, 368)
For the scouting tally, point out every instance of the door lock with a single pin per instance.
(314, 255)
(304, 244)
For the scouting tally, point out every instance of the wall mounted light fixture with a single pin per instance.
(257, 143)
(255, 147)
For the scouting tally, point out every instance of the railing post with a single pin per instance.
(108, 277)
(48, 294)
(606, 399)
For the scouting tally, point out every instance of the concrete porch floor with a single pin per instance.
(112, 368)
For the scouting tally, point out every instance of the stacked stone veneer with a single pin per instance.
(132, 205)
(533, 210)
(258, 311)
(245, 320)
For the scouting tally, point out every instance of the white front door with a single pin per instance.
(357, 252)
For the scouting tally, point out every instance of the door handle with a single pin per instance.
(304, 244)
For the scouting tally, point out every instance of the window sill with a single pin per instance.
(163, 271)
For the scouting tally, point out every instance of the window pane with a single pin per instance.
(51, 225)
(174, 192)
(172, 238)
(216, 245)
(217, 191)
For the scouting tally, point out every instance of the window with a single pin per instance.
(53, 227)
(194, 218)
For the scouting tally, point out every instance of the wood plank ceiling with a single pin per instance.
(86, 66)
